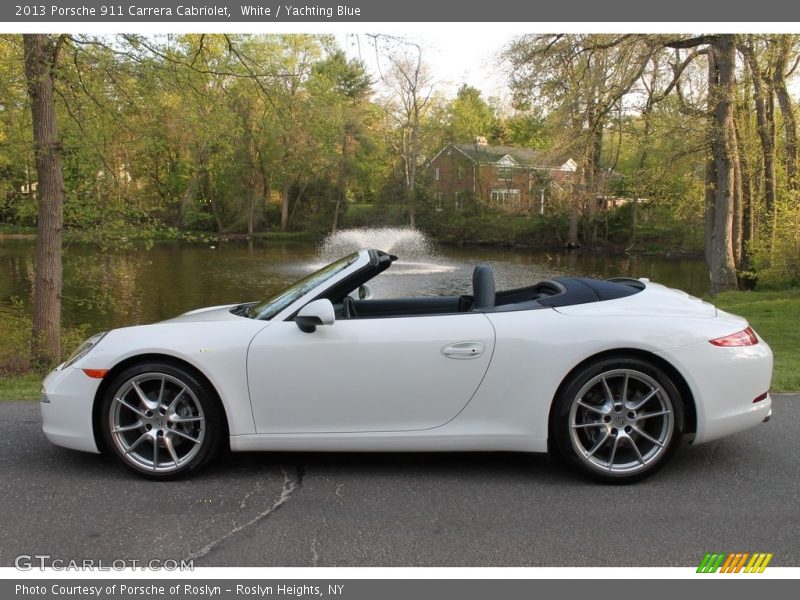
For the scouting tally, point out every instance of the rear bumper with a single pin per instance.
(725, 382)
(67, 400)
(716, 427)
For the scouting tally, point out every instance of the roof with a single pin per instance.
(522, 156)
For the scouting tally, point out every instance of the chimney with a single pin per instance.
(480, 140)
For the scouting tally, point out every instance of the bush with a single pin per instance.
(15, 351)
(777, 264)
(16, 333)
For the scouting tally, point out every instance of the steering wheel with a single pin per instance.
(349, 308)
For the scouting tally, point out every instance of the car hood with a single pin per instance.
(655, 300)
(211, 313)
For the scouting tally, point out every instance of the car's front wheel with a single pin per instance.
(618, 419)
(160, 420)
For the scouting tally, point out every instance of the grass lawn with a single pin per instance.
(20, 387)
(776, 318)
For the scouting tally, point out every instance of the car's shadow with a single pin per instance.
(439, 464)
(405, 463)
(690, 464)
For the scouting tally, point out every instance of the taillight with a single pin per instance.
(745, 337)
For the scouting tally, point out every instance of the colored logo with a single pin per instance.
(737, 562)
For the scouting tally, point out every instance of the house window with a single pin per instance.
(460, 201)
(461, 172)
(438, 201)
(505, 172)
(436, 173)
(505, 196)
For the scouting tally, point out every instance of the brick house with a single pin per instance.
(511, 179)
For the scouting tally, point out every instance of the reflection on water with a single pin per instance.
(139, 286)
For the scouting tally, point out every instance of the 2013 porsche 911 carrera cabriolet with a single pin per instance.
(609, 375)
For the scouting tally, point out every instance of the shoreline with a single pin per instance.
(195, 237)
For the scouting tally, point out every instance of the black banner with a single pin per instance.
(370, 589)
(363, 11)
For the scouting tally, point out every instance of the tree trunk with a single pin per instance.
(640, 175)
(785, 104)
(287, 186)
(254, 183)
(744, 219)
(722, 271)
(287, 181)
(252, 200)
(340, 185)
(412, 182)
(763, 95)
(208, 193)
(254, 192)
(736, 232)
(708, 204)
(577, 191)
(41, 54)
(298, 199)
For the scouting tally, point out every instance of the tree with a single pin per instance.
(581, 80)
(411, 84)
(723, 164)
(470, 116)
(722, 77)
(348, 86)
(786, 48)
(41, 58)
(764, 98)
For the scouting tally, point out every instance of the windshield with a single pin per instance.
(272, 306)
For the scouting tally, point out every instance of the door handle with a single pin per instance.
(462, 350)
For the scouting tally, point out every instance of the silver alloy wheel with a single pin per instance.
(156, 422)
(621, 422)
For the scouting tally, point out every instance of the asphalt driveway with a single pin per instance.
(738, 494)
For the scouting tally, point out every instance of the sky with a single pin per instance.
(455, 57)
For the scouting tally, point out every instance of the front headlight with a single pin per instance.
(84, 349)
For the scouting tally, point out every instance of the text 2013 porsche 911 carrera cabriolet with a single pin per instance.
(610, 375)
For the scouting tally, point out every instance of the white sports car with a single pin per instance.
(609, 375)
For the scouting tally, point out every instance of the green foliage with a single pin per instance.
(526, 129)
(15, 330)
(659, 228)
(776, 255)
(459, 227)
(6, 229)
(469, 116)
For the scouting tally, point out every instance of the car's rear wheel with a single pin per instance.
(618, 419)
(160, 420)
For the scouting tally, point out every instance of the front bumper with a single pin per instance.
(67, 401)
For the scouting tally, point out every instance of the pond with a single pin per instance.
(104, 289)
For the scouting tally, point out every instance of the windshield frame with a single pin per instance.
(269, 308)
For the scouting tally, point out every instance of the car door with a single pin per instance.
(362, 375)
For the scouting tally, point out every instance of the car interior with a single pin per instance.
(561, 291)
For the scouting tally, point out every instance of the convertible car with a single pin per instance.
(609, 375)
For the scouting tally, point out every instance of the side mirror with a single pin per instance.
(364, 292)
(318, 312)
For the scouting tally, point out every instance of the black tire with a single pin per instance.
(161, 420)
(609, 437)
